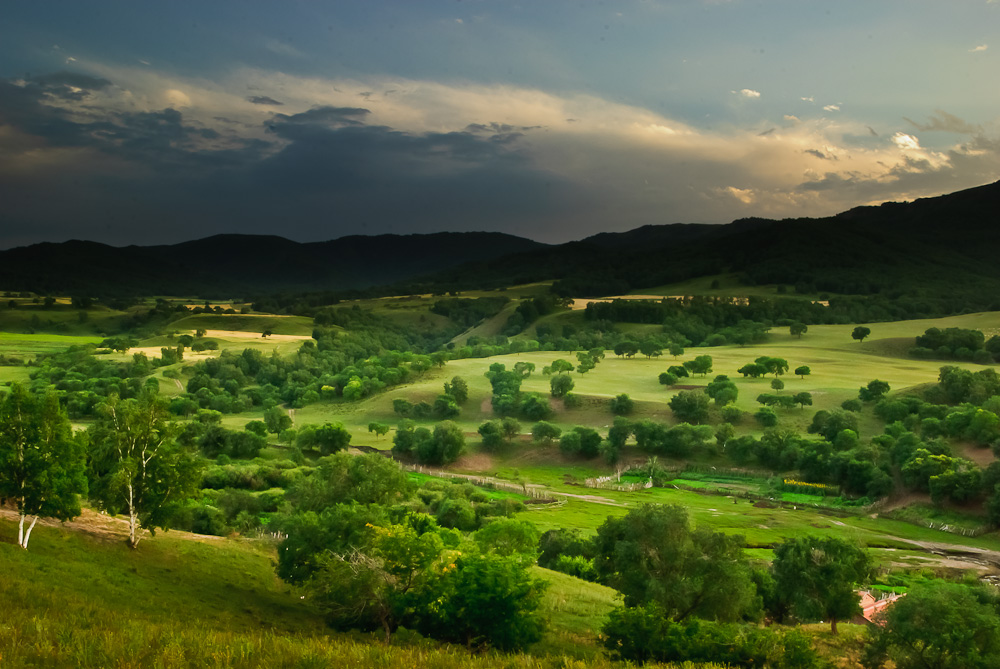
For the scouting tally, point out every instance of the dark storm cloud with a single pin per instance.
(70, 86)
(264, 100)
(819, 154)
(942, 121)
(323, 174)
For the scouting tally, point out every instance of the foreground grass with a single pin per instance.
(83, 600)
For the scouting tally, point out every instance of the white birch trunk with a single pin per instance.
(22, 535)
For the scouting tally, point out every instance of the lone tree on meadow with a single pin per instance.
(136, 466)
(819, 577)
(860, 333)
(41, 465)
(803, 371)
(798, 329)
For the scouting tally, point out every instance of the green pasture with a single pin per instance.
(60, 318)
(17, 344)
(282, 325)
(182, 601)
(729, 286)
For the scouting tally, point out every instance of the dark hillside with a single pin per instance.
(241, 264)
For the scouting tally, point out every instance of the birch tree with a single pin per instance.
(136, 466)
(41, 465)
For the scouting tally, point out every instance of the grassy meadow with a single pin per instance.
(184, 600)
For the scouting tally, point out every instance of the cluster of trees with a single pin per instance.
(691, 594)
(958, 344)
(468, 312)
(446, 405)
(529, 311)
(507, 398)
(438, 447)
(367, 554)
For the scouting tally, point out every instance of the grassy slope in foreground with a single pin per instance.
(80, 599)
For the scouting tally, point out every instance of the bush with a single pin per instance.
(622, 405)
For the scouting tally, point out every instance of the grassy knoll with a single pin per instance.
(59, 318)
(255, 323)
(30, 345)
(81, 599)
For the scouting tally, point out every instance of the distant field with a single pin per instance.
(33, 344)
(284, 325)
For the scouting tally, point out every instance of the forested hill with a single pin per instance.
(945, 245)
(242, 264)
(934, 246)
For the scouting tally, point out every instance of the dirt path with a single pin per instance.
(102, 526)
(590, 498)
(180, 386)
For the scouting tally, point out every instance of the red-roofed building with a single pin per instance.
(870, 606)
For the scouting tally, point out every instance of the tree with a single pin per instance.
(690, 406)
(558, 367)
(41, 465)
(483, 600)
(803, 371)
(622, 405)
(753, 370)
(860, 333)
(798, 329)
(510, 427)
(458, 389)
(277, 420)
(365, 479)
(875, 390)
(492, 434)
(819, 577)
(370, 586)
(136, 466)
(803, 399)
(507, 536)
(777, 384)
(700, 365)
(561, 385)
(940, 625)
(445, 445)
(380, 429)
(667, 379)
(651, 349)
(776, 366)
(545, 432)
(653, 555)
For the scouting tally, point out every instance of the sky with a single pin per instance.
(160, 122)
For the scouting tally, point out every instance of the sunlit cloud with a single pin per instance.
(979, 49)
(831, 108)
(561, 165)
(905, 141)
(748, 93)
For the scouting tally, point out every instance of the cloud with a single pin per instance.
(819, 154)
(264, 100)
(176, 98)
(808, 99)
(791, 118)
(944, 122)
(831, 108)
(431, 156)
(747, 93)
(905, 141)
(282, 49)
(979, 49)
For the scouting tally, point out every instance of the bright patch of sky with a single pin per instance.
(552, 119)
